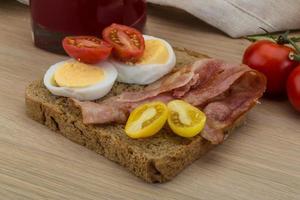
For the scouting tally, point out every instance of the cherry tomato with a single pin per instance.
(272, 60)
(87, 49)
(184, 119)
(128, 43)
(146, 120)
(293, 88)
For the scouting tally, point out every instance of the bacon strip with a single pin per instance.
(224, 92)
(226, 109)
(179, 82)
(112, 110)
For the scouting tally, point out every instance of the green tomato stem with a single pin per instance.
(295, 57)
(257, 38)
(295, 39)
(297, 48)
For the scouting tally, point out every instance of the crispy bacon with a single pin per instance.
(224, 91)
(179, 82)
(166, 84)
(112, 109)
(225, 109)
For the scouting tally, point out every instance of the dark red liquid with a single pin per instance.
(52, 20)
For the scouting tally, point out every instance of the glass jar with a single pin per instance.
(52, 20)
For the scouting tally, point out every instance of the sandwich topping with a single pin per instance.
(223, 91)
(78, 80)
(146, 120)
(184, 119)
(205, 97)
(158, 59)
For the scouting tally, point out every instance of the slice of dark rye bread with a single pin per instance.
(155, 159)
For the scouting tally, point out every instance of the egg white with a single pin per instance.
(144, 74)
(92, 92)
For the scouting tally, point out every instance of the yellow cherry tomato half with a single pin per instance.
(184, 119)
(146, 120)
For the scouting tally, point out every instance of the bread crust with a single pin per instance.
(157, 159)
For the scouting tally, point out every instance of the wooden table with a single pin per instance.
(260, 161)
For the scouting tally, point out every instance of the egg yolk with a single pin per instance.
(155, 52)
(76, 75)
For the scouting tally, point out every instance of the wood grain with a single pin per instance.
(259, 161)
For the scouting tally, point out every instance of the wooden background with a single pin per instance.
(259, 161)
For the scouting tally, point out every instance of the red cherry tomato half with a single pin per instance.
(272, 60)
(293, 88)
(128, 43)
(87, 49)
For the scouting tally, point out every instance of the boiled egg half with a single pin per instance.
(80, 81)
(158, 60)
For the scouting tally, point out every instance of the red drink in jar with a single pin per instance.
(52, 20)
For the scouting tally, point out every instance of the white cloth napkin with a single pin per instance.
(242, 17)
(24, 1)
